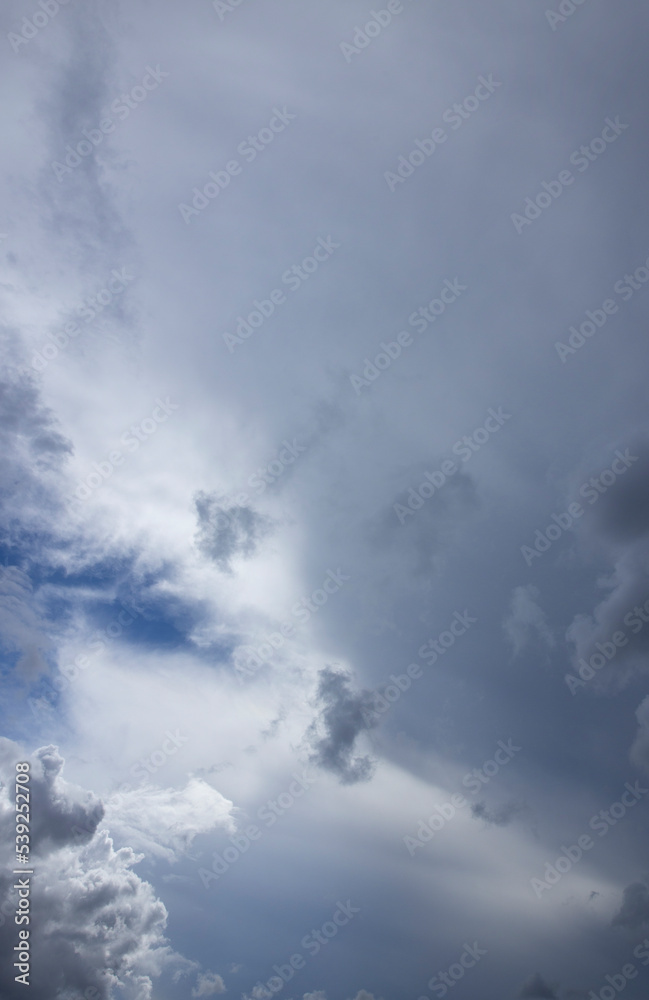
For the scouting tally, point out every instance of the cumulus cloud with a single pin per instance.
(227, 530)
(364, 995)
(526, 618)
(60, 812)
(344, 717)
(208, 984)
(94, 923)
(634, 912)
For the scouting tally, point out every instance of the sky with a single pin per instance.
(324, 507)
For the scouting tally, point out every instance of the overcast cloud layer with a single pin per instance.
(324, 591)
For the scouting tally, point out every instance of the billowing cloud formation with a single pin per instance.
(95, 925)
(343, 718)
(525, 618)
(634, 912)
(227, 530)
(60, 812)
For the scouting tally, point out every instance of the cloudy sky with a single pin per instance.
(324, 592)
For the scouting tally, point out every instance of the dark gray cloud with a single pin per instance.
(61, 813)
(227, 530)
(634, 911)
(345, 715)
(622, 512)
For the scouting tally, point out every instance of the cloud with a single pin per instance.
(163, 822)
(332, 736)
(634, 912)
(525, 618)
(94, 923)
(364, 995)
(501, 816)
(536, 988)
(227, 530)
(32, 452)
(61, 813)
(27, 428)
(208, 984)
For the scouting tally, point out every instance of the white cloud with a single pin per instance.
(208, 984)
(163, 822)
